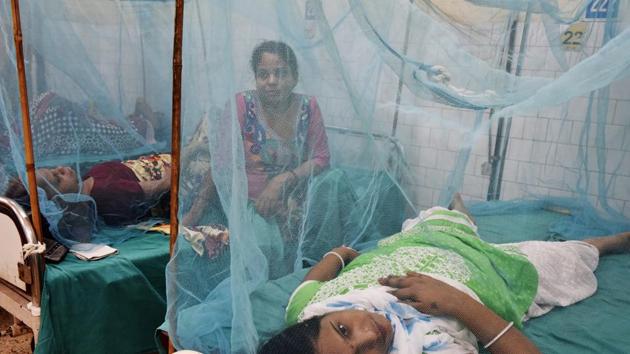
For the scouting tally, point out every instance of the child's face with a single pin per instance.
(354, 331)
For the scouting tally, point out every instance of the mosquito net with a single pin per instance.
(98, 86)
(311, 124)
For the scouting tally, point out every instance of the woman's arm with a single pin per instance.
(292, 177)
(330, 265)
(269, 202)
(318, 160)
(316, 138)
(319, 154)
(154, 189)
(207, 195)
(434, 297)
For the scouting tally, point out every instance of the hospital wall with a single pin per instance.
(543, 150)
(542, 156)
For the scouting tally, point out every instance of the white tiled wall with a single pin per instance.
(544, 146)
(542, 156)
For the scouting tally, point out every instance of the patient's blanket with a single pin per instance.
(151, 167)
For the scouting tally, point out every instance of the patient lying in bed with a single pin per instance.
(123, 191)
(119, 192)
(436, 287)
(62, 127)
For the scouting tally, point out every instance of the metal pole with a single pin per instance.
(402, 73)
(493, 186)
(38, 264)
(508, 124)
(505, 125)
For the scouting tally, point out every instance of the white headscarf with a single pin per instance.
(414, 332)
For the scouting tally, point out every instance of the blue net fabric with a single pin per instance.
(394, 106)
(90, 112)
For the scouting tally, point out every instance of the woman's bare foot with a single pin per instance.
(458, 204)
(619, 243)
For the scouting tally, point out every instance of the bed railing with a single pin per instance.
(20, 277)
(396, 156)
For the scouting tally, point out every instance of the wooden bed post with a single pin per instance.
(175, 122)
(38, 264)
(176, 118)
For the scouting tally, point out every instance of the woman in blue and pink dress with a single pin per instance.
(287, 155)
(294, 196)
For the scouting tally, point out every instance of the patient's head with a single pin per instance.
(61, 179)
(299, 338)
(78, 218)
(348, 331)
(58, 180)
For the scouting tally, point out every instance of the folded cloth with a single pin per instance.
(414, 332)
(164, 228)
(91, 251)
(211, 238)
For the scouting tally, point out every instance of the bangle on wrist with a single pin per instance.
(343, 263)
(507, 328)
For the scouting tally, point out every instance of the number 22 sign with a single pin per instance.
(601, 9)
(573, 37)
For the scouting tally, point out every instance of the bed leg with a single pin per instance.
(18, 328)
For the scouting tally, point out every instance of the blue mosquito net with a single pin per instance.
(310, 124)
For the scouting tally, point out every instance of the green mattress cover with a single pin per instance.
(108, 306)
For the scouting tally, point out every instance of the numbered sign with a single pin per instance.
(573, 37)
(601, 9)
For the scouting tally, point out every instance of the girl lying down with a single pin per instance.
(436, 287)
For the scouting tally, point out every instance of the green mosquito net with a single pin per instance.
(311, 124)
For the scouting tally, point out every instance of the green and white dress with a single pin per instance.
(444, 244)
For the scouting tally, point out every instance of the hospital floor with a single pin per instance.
(12, 345)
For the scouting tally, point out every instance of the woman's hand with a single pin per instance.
(425, 294)
(165, 181)
(434, 297)
(269, 202)
(330, 265)
(348, 254)
(155, 188)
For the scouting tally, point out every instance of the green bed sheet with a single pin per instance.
(108, 306)
(599, 324)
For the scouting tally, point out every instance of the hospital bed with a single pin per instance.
(109, 306)
(598, 324)
(114, 305)
(20, 281)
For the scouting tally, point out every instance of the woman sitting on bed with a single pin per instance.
(283, 132)
(436, 287)
(285, 148)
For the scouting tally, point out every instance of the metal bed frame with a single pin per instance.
(20, 278)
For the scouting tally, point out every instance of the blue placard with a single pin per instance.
(602, 9)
